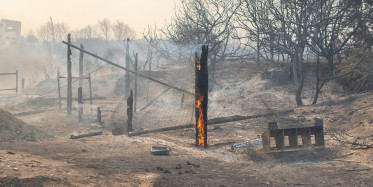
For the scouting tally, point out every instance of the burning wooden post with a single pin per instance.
(69, 77)
(129, 112)
(80, 103)
(201, 97)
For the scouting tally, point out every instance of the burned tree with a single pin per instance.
(201, 97)
(204, 22)
(335, 23)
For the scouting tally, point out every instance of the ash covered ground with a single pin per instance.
(36, 149)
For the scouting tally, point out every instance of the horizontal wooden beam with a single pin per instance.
(209, 122)
(74, 77)
(86, 135)
(8, 73)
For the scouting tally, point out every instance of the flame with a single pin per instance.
(198, 65)
(200, 124)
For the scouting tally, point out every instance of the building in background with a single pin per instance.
(10, 30)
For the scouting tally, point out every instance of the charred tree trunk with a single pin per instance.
(331, 64)
(298, 76)
(201, 97)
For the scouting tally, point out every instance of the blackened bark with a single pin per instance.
(201, 92)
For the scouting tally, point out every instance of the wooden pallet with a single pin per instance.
(298, 137)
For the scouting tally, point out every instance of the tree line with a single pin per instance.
(267, 30)
(52, 31)
(263, 30)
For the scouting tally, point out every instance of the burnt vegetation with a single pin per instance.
(273, 92)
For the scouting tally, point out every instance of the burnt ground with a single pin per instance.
(44, 155)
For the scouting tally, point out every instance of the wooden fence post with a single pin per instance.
(201, 97)
(23, 83)
(150, 69)
(90, 90)
(99, 115)
(129, 112)
(81, 66)
(59, 88)
(80, 103)
(127, 80)
(17, 82)
(136, 63)
(69, 77)
(182, 101)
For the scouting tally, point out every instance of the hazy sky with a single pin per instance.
(79, 13)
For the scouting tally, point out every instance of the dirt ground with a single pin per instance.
(51, 158)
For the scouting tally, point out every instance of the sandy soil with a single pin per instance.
(53, 159)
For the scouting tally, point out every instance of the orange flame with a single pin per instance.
(201, 137)
(198, 64)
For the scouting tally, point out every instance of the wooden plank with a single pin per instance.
(86, 135)
(266, 141)
(7, 73)
(293, 138)
(61, 77)
(279, 138)
(209, 122)
(306, 136)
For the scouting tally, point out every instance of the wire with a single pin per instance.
(72, 81)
